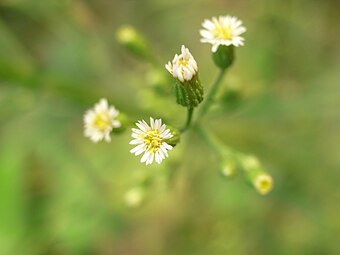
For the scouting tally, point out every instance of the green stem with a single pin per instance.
(212, 141)
(209, 99)
(189, 118)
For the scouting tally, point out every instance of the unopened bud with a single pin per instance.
(262, 182)
(134, 197)
(129, 37)
(228, 168)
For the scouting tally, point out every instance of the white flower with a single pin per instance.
(224, 30)
(151, 141)
(183, 66)
(99, 121)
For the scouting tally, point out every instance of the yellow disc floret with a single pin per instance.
(153, 140)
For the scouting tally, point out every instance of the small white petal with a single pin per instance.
(145, 157)
(152, 123)
(142, 127)
(137, 148)
(167, 146)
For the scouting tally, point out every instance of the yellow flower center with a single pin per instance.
(264, 185)
(183, 62)
(153, 141)
(102, 121)
(222, 32)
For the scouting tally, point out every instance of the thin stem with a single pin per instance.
(209, 99)
(212, 141)
(189, 118)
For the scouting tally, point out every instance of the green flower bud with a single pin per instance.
(228, 168)
(134, 42)
(134, 197)
(261, 181)
(224, 56)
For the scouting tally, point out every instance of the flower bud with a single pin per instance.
(262, 182)
(134, 42)
(188, 88)
(228, 168)
(224, 56)
(134, 197)
(159, 80)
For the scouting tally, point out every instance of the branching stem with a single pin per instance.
(210, 97)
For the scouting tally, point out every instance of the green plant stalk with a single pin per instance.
(214, 143)
(206, 104)
(189, 119)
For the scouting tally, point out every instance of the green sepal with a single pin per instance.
(189, 93)
(175, 139)
(124, 123)
(224, 56)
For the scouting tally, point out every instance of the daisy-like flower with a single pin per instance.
(224, 30)
(183, 66)
(151, 140)
(99, 121)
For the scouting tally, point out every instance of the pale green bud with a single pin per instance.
(228, 168)
(134, 197)
(257, 176)
(129, 37)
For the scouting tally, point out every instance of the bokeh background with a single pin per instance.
(61, 194)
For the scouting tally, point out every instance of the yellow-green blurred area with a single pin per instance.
(62, 194)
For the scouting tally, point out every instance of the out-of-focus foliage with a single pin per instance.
(62, 194)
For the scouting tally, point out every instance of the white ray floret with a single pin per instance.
(150, 140)
(183, 66)
(100, 120)
(224, 30)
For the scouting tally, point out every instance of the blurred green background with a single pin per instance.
(62, 194)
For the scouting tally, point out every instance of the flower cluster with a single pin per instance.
(153, 141)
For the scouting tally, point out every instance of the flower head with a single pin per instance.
(99, 121)
(263, 183)
(224, 30)
(151, 140)
(183, 66)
